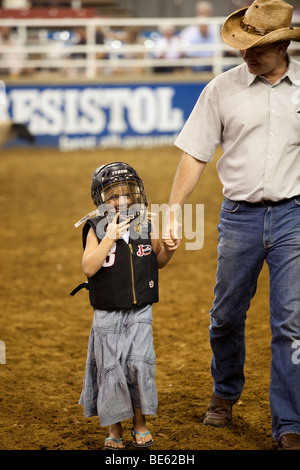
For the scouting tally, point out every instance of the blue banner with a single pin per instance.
(102, 116)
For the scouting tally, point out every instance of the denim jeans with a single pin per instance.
(248, 236)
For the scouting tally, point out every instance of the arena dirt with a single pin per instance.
(43, 193)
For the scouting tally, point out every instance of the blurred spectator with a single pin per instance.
(80, 38)
(117, 39)
(165, 47)
(296, 16)
(246, 3)
(9, 37)
(201, 34)
(49, 4)
(15, 4)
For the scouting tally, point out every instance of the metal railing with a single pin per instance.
(37, 51)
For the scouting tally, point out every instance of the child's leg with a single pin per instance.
(139, 424)
(115, 433)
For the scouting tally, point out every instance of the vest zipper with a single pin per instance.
(132, 275)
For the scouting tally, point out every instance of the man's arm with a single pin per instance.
(186, 179)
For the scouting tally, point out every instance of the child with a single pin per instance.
(121, 263)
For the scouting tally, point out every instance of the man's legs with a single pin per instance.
(275, 235)
(240, 258)
(284, 266)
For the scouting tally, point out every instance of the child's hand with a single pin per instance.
(170, 245)
(114, 230)
(170, 236)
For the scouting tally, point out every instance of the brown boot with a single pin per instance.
(290, 441)
(219, 412)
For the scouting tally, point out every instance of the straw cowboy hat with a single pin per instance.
(263, 22)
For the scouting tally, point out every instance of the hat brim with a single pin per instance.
(234, 36)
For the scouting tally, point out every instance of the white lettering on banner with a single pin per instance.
(24, 104)
(170, 119)
(70, 111)
(3, 103)
(128, 142)
(86, 111)
(93, 118)
(51, 100)
(117, 101)
(142, 111)
(76, 143)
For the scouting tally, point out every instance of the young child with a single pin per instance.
(121, 262)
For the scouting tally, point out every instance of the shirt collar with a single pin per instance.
(250, 77)
(290, 74)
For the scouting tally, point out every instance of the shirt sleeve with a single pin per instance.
(202, 131)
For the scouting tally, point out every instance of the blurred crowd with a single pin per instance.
(23, 4)
(164, 42)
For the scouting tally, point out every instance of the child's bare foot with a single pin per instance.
(115, 440)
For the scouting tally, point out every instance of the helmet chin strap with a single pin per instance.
(86, 217)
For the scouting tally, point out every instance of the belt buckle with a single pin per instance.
(265, 202)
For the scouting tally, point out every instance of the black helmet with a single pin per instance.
(107, 178)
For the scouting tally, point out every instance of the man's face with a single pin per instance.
(262, 60)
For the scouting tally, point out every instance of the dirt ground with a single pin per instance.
(45, 331)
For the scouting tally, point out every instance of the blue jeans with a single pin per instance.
(247, 237)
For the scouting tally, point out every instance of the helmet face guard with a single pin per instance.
(116, 187)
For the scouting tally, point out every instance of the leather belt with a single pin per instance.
(265, 202)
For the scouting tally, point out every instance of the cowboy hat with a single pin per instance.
(264, 22)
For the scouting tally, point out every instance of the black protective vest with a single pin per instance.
(128, 277)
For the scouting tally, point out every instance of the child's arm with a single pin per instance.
(163, 252)
(95, 253)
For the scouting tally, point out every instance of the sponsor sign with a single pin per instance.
(101, 116)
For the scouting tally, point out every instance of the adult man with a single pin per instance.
(253, 110)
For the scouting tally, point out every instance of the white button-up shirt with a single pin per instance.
(258, 126)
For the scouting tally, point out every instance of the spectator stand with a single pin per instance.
(48, 43)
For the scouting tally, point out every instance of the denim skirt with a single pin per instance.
(120, 366)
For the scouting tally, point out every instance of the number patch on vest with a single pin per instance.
(143, 250)
(111, 257)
